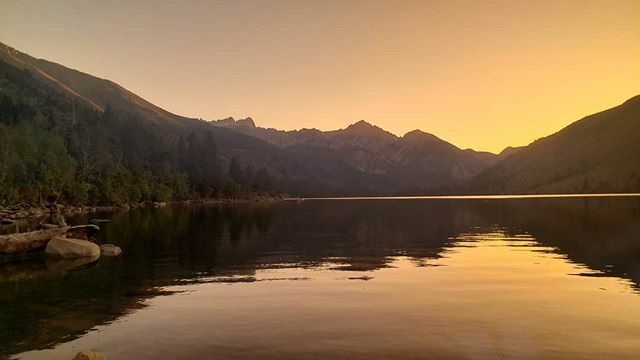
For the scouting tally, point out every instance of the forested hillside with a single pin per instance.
(55, 144)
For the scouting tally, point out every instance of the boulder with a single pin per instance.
(88, 355)
(110, 250)
(67, 247)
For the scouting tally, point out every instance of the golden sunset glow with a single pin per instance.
(319, 179)
(479, 74)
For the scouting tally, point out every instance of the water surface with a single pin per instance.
(529, 278)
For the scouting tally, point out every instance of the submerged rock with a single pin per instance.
(60, 265)
(65, 247)
(88, 355)
(110, 250)
(99, 221)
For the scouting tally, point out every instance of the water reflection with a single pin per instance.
(460, 244)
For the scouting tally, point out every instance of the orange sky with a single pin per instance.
(480, 74)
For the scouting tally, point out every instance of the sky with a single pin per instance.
(479, 74)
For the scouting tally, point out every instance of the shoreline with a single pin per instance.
(12, 214)
(469, 197)
(24, 212)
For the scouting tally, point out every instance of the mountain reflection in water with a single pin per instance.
(353, 278)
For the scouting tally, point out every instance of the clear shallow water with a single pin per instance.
(429, 278)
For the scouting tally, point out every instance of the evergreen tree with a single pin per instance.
(263, 181)
(235, 172)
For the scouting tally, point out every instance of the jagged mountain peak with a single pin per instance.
(361, 124)
(246, 122)
(362, 128)
(231, 122)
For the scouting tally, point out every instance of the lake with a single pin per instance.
(435, 278)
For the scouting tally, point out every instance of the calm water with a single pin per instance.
(348, 279)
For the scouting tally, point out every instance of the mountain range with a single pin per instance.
(414, 162)
(598, 153)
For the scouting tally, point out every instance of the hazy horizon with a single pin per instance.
(479, 75)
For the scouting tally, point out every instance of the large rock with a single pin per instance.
(65, 247)
(110, 250)
(88, 355)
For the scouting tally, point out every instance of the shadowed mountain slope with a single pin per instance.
(599, 153)
(94, 91)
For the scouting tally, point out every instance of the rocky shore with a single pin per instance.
(28, 212)
(24, 212)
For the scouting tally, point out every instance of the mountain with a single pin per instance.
(86, 139)
(101, 128)
(387, 164)
(599, 153)
(93, 91)
(361, 134)
(508, 151)
(89, 140)
(428, 159)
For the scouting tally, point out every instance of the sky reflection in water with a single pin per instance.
(525, 278)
